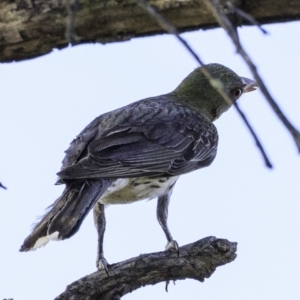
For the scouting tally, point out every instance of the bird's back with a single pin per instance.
(155, 137)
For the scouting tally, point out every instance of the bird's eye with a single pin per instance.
(237, 93)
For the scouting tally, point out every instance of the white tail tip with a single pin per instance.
(42, 241)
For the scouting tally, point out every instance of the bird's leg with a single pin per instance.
(162, 217)
(99, 219)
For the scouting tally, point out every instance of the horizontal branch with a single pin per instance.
(196, 261)
(29, 29)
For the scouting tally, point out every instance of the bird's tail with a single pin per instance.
(67, 213)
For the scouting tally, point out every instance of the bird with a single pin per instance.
(138, 152)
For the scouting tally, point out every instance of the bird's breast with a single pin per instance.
(128, 190)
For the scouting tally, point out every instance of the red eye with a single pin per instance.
(237, 93)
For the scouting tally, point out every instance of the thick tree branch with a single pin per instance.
(196, 261)
(32, 28)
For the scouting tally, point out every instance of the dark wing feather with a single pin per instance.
(152, 137)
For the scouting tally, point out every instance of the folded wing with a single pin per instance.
(154, 138)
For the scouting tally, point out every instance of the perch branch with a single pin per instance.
(196, 261)
(218, 11)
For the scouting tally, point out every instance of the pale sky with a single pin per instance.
(47, 101)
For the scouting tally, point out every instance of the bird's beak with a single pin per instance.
(249, 85)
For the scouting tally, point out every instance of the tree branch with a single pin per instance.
(32, 28)
(196, 261)
(217, 10)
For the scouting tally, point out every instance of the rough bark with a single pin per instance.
(196, 261)
(30, 28)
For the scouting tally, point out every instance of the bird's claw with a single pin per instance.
(172, 246)
(102, 264)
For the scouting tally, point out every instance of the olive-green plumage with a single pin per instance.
(138, 152)
(197, 91)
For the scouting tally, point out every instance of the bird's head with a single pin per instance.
(197, 91)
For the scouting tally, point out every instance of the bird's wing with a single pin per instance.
(148, 138)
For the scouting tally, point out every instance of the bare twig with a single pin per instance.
(232, 8)
(258, 144)
(172, 29)
(167, 26)
(2, 186)
(70, 33)
(196, 261)
(223, 20)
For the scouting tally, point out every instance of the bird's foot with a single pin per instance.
(172, 246)
(102, 264)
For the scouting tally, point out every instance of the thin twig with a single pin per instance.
(258, 144)
(166, 25)
(223, 20)
(167, 284)
(2, 186)
(232, 8)
(70, 33)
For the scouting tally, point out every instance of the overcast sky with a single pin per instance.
(47, 101)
